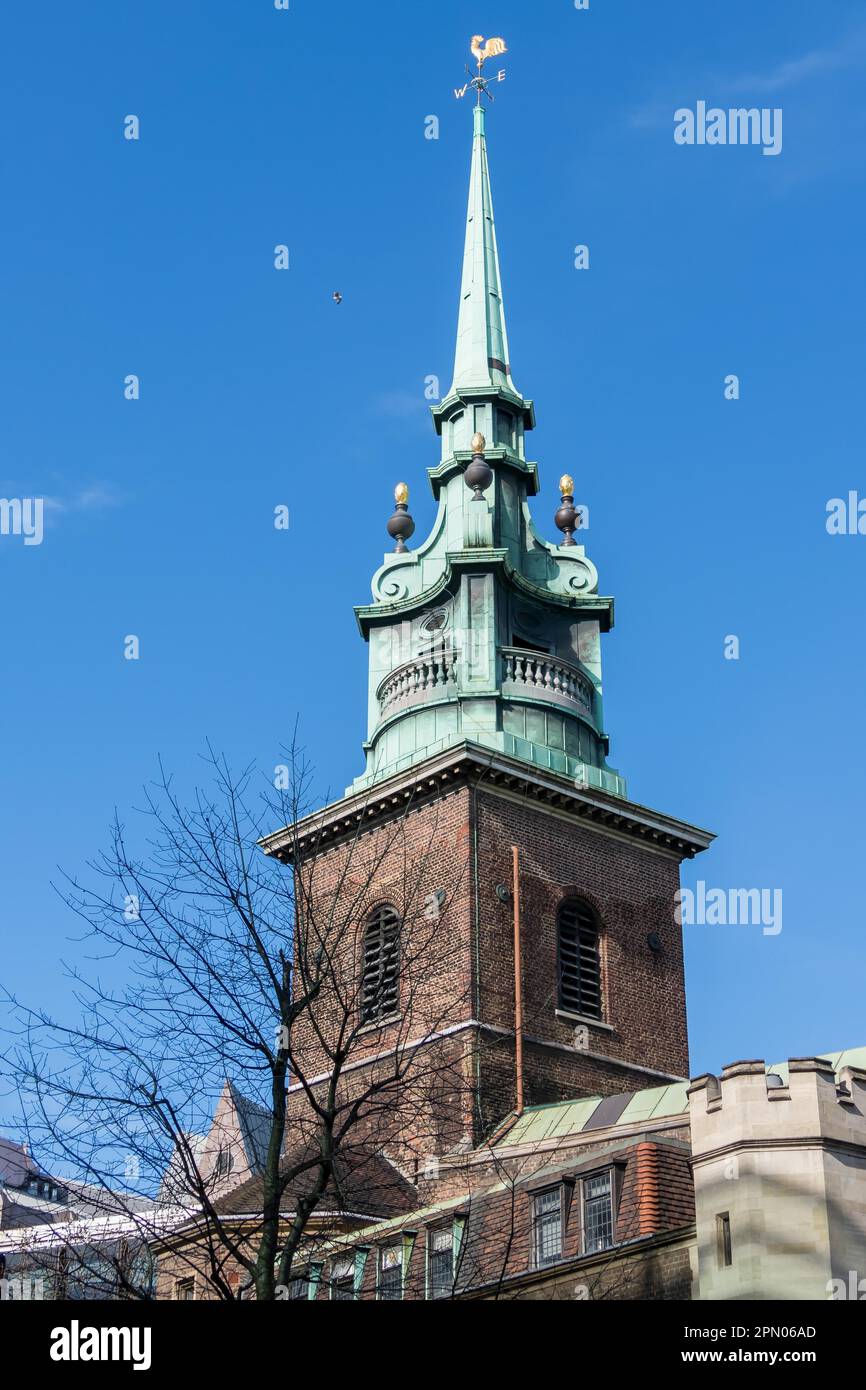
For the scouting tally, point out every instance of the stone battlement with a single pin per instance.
(805, 1099)
(779, 1164)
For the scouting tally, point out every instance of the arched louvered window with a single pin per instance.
(380, 981)
(579, 965)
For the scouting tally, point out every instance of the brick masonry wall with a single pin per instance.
(550, 1074)
(404, 863)
(412, 1104)
(497, 1244)
(426, 1103)
(496, 1206)
(191, 1260)
(460, 966)
(654, 1275)
(632, 890)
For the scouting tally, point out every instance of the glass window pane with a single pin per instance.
(391, 1273)
(548, 1226)
(343, 1279)
(441, 1263)
(597, 1213)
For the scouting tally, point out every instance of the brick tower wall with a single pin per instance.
(458, 970)
(632, 889)
(405, 861)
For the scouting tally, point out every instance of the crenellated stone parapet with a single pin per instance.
(779, 1160)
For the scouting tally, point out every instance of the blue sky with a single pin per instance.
(707, 516)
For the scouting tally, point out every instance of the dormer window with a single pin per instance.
(298, 1287)
(343, 1280)
(598, 1212)
(440, 1262)
(390, 1285)
(547, 1227)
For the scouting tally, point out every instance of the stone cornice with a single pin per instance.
(403, 1046)
(588, 605)
(468, 395)
(469, 764)
(497, 456)
(826, 1142)
(587, 1265)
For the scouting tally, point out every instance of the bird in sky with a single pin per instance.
(492, 48)
(337, 297)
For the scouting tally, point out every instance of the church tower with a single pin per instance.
(546, 895)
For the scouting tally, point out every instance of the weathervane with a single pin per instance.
(479, 83)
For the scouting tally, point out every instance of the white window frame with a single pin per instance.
(537, 1261)
(610, 1174)
(395, 1247)
(347, 1265)
(432, 1234)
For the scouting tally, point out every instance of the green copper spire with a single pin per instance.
(486, 632)
(482, 341)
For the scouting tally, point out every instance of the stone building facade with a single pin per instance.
(779, 1161)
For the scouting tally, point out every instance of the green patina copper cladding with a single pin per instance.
(481, 358)
(851, 1057)
(486, 631)
(540, 1123)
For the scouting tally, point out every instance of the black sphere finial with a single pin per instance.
(567, 516)
(479, 474)
(400, 525)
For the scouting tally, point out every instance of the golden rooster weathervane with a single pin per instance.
(479, 83)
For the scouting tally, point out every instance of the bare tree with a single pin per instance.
(206, 959)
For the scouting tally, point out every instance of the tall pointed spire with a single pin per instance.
(481, 358)
(486, 632)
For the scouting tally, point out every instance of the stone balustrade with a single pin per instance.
(424, 677)
(537, 674)
(433, 675)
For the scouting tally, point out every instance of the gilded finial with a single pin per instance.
(400, 525)
(567, 517)
(479, 474)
